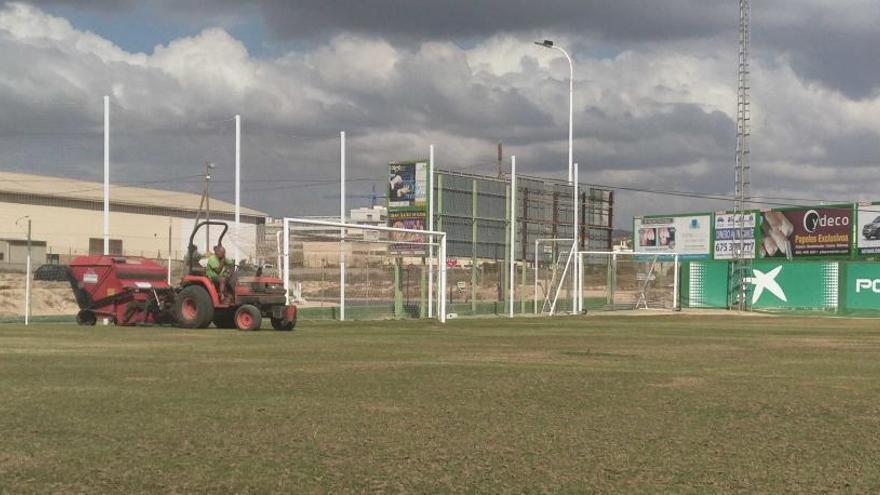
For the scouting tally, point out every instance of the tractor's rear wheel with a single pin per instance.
(248, 317)
(193, 307)
(283, 325)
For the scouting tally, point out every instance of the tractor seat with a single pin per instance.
(199, 268)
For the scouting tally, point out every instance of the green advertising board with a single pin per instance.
(860, 287)
(705, 284)
(809, 286)
(831, 287)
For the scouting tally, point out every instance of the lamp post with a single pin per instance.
(550, 44)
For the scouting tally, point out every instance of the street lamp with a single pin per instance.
(550, 44)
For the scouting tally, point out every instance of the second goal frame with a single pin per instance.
(649, 258)
(432, 239)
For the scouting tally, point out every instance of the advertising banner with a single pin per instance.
(688, 236)
(806, 232)
(728, 230)
(801, 286)
(405, 243)
(861, 286)
(408, 185)
(705, 284)
(868, 232)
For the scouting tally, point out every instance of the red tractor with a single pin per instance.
(198, 302)
(131, 290)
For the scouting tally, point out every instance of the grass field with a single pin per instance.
(659, 404)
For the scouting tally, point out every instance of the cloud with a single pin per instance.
(656, 114)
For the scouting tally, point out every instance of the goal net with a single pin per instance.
(553, 289)
(343, 271)
(628, 281)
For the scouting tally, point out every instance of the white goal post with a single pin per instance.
(376, 246)
(630, 280)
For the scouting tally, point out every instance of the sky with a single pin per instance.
(655, 95)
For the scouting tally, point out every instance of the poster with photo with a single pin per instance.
(688, 236)
(800, 232)
(407, 185)
(403, 242)
(868, 229)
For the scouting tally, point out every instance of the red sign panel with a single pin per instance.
(806, 232)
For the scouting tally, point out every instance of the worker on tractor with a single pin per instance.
(220, 269)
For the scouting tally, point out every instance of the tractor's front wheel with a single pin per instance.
(248, 317)
(193, 307)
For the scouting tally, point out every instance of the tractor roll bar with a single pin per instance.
(192, 247)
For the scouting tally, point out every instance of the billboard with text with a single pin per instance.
(407, 185)
(728, 231)
(688, 236)
(801, 232)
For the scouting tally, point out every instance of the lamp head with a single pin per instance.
(545, 43)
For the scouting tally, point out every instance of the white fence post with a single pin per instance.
(286, 260)
(431, 227)
(442, 288)
(510, 278)
(342, 217)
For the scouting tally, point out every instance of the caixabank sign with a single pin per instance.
(837, 287)
(794, 286)
(770, 286)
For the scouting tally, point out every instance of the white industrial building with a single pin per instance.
(67, 215)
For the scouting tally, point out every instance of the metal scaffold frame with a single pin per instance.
(741, 260)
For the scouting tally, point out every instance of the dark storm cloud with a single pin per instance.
(107, 6)
(840, 59)
(657, 114)
(828, 42)
(430, 19)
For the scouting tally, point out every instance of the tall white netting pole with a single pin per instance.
(106, 175)
(342, 216)
(431, 227)
(286, 233)
(237, 254)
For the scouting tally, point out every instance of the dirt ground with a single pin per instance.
(47, 298)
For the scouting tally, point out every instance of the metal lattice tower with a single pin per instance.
(742, 262)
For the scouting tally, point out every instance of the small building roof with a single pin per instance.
(22, 242)
(66, 188)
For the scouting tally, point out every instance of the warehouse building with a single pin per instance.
(67, 215)
(13, 252)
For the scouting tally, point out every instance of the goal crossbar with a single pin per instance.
(434, 239)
